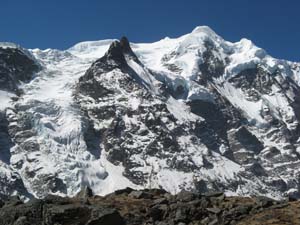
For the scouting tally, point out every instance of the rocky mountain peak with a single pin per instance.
(180, 114)
(115, 51)
(125, 44)
(16, 65)
(118, 50)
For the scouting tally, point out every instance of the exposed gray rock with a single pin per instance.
(140, 194)
(121, 209)
(16, 65)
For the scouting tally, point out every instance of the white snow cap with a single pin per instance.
(8, 45)
(206, 30)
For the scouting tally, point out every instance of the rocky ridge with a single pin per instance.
(149, 207)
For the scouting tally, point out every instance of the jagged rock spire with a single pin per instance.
(118, 49)
(125, 44)
(115, 52)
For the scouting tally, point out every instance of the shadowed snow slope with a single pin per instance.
(195, 112)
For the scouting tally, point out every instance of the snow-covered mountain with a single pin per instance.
(194, 112)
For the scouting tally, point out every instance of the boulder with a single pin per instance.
(106, 217)
(141, 194)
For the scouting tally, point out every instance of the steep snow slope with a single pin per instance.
(53, 156)
(194, 112)
(90, 50)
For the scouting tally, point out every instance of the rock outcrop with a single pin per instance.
(149, 207)
(16, 65)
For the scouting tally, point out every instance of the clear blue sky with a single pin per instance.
(272, 25)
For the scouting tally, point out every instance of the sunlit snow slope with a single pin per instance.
(194, 112)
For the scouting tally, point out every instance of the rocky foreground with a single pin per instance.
(149, 207)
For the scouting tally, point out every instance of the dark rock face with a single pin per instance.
(5, 141)
(212, 66)
(15, 66)
(244, 145)
(139, 207)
